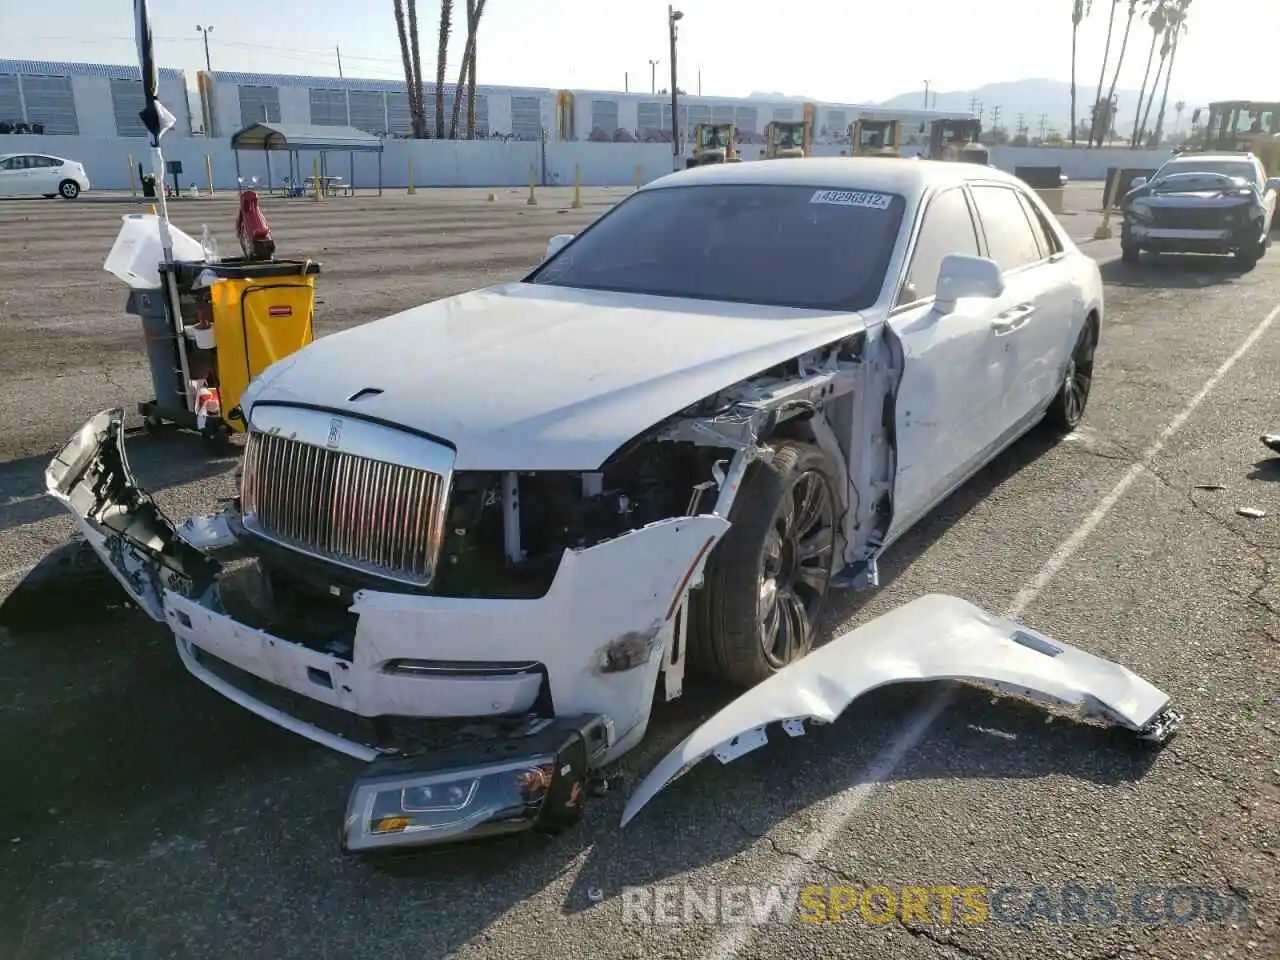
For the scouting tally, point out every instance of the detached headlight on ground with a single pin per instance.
(468, 793)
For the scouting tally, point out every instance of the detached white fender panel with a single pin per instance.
(936, 637)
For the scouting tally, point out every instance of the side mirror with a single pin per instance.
(1137, 182)
(1273, 184)
(964, 276)
(557, 243)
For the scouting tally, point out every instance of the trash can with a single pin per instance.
(262, 311)
(169, 394)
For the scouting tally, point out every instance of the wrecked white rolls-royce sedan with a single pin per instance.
(473, 543)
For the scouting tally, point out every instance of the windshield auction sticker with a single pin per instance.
(852, 198)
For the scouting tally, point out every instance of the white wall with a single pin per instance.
(442, 163)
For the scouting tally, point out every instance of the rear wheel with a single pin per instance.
(766, 584)
(68, 189)
(1067, 409)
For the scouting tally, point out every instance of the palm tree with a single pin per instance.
(1166, 42)
(1155, 20)
(442, 53)
(471, 74)
(1102, 74)
(1079, 10)
(1177, 27)
(467, 75)
(1115, 77)
(416, 105)
(1177, 109)
(411, 81)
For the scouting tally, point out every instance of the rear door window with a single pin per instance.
(1011, 242)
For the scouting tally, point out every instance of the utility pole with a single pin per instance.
(699, 81)
(1044, 125)
(653, 75)
(995, 118)
(206, 114)
(672, 16)
(338, 51)
(926, 94)
(626, 83)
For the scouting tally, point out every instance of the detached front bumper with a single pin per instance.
(588, 653)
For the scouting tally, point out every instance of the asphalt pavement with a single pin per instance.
(143, 815)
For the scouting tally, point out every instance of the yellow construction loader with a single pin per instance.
(957, 140)
(875, 138)
(714, 143)
(1239, 125)
(787, 138)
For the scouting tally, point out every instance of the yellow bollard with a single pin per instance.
(208, 171)
(315, 175)
(577, 187)
(637, 176)
(1108, 199)
(133, 184)
(153, 209)
(492, 197)
(533, 200)
(410, 175)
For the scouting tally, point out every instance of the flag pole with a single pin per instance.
(158, 121)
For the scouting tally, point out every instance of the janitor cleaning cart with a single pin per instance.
(232, 318)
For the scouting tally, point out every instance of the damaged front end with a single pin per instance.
(475, 715)
(935, 637)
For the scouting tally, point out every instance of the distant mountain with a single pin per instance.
(774, 95)
(1034, 97)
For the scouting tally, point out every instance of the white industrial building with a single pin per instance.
(104, 100)
(520, 113)
(84, 99)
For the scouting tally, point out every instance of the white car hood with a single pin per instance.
(529, 377)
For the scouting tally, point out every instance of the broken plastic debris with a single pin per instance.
(1210, 486)
(1271, 441)
(1253, 512)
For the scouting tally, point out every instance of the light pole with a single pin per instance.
(653, 75)
(205, 113)
(926, 94)
(672, 16)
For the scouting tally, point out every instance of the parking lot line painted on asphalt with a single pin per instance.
(844, 806)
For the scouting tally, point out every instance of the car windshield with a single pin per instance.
(774, 245)
(1227, 168)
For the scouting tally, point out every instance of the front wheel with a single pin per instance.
(1130, 256)
(69, 189)
(766, 584)
(1067, 409)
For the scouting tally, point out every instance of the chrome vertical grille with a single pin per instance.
(366, 514)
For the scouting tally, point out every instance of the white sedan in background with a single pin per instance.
(723, 399)
(41, 175)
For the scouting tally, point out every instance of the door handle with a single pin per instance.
(1013, 318)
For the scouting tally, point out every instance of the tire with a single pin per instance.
(760, 563)
(68, 189)
(1067, 408)
(1130, 256)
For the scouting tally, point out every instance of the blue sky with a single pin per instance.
(828, 49)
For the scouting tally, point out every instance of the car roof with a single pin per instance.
(1211, 158)
(909, 177)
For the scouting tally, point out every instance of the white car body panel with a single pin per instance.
(935, 637)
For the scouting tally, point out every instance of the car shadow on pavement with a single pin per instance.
(1173, 271)
(161, 460)
(1268, 468)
